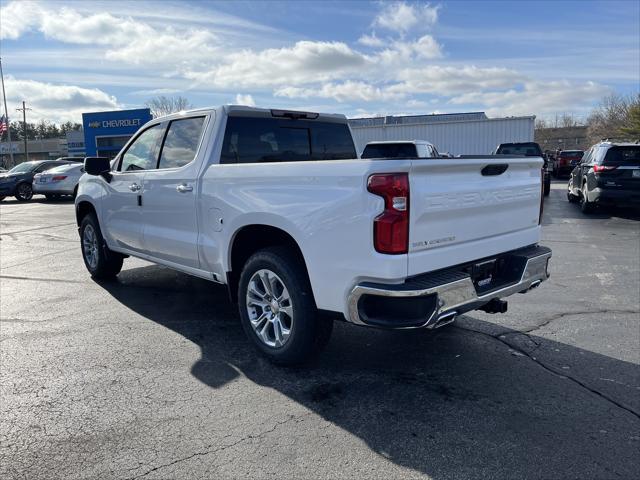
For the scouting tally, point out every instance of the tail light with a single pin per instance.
(602, 168)
(391, 227)
(541, 196)
(57, 178)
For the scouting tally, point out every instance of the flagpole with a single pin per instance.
(6, 115)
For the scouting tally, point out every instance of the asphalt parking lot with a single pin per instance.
(151, 376)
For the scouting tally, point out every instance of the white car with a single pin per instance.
(58, 181)
(276, 205)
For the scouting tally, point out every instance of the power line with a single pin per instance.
(24, 126)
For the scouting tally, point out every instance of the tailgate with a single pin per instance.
(469, 208)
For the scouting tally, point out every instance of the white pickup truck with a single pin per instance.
(276, 205)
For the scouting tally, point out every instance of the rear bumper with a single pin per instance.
(434, 299)
(622, 198)
(53, 189)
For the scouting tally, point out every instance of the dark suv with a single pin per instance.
(528, 149)
(609, 174)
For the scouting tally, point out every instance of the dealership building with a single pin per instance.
(105, 133)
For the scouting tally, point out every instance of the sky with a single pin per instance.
(360, 58)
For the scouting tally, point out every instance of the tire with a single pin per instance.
(585, 205)
(101, 262)
(547, 185)
(570, 196)
(275, 297)
(24, 192)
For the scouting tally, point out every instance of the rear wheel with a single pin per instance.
(277, 309)
(585, 205)
(101, 262)
(24, 192)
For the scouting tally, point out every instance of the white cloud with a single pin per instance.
(304, 62)
(245, 100)
(57, 103)
(450, 80)
(17, 18)
(537, 97)
(371, 41)
(341, 92)
(401, 17)
(128, 40)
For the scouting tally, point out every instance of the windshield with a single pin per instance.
(390, 150)
(23, 167)
(64, 168)
(526, 149)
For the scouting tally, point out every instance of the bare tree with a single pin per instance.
(568, 120)
(541, 124)
(611, 117)
(162, 105)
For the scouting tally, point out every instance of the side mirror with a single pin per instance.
(98, 166)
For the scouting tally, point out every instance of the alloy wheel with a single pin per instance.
(270, 309)
(90, 246)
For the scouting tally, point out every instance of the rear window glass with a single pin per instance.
(526, 149)
(622, 156)
(258, 140)
(572, 154)
(390, 150)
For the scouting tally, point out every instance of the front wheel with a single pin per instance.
(24, 192)
(277, 309)
(101, 262)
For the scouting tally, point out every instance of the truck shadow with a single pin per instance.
(452, 403)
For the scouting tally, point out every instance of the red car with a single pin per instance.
(565, 162)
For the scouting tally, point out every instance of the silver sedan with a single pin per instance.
(62, 180)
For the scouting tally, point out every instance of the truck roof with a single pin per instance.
(260, 112)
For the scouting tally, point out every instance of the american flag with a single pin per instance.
(3, 124)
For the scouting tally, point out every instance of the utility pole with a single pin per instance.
(24, 128)
(6, 116)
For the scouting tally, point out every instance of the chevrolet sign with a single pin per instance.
(127, 122)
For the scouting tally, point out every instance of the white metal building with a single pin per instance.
(456, 133)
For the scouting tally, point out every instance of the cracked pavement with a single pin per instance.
(151, 377)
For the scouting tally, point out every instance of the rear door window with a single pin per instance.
(181, 142)
(622, 157)
(259, 140)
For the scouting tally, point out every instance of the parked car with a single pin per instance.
(528, 149)
(18, 181)
(609, 174)
(400, 149)
(565, 162)
(59, 181)
(276, 205)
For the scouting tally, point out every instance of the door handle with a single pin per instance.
(184, 188)
(134, 187)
